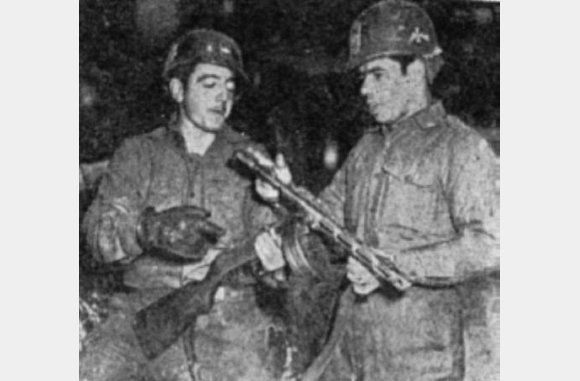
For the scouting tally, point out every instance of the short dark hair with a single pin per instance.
(432, 64)
(183, 72)
(404, 61)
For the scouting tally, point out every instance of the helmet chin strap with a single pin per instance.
(433, 65)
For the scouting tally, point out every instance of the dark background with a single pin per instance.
(299, 101)
(293, 51)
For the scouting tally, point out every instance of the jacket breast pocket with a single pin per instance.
(414, 194)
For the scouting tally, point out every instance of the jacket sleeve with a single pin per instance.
(111, 221)
(471, 190)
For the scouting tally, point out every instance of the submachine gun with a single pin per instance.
(318, 220)
(381, 267)
(163, 322)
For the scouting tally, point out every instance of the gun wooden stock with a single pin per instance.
(162, 323)
(317, 219)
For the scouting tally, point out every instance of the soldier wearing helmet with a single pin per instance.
(420, 189)
(166, 208)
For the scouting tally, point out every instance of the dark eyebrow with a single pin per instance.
(203, 77)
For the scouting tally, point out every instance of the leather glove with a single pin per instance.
(182, 231)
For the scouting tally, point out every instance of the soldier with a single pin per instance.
(420, 189)
(154, 202)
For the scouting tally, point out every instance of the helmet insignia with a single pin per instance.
(418, 37)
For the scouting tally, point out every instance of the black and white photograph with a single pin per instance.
(289, 190)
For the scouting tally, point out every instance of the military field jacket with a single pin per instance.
(155, 170)
(427, 191)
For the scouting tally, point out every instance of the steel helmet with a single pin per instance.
(204, 46)
(391, 27)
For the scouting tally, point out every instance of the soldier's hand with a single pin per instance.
(282, 172)
(268, 246)
(363, 281)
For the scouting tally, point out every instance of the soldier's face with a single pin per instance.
(208, 98)
(390, 94)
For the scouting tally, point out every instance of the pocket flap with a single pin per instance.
(419, 175)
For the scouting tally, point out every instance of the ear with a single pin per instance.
(417, 85)
(176, 90)
(416, 71)
(416, 78)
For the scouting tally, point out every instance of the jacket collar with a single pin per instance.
(429, 117)
(227, 134)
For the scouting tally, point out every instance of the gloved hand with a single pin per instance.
(183, 231)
